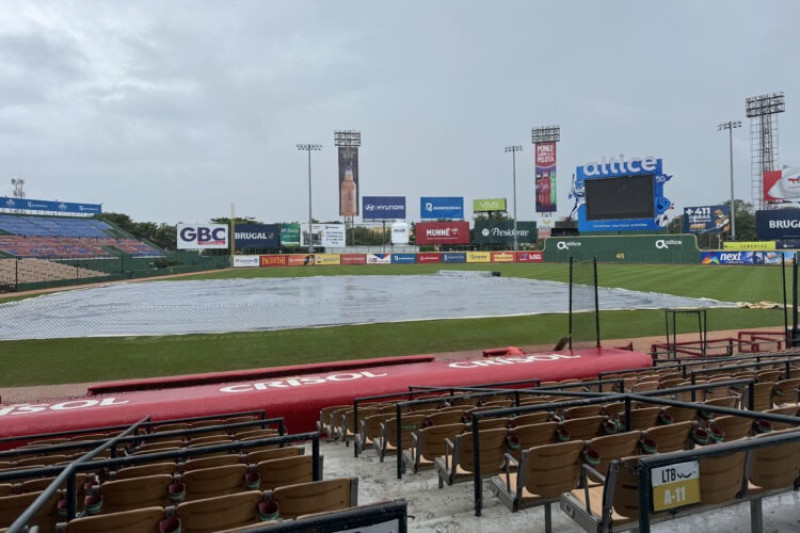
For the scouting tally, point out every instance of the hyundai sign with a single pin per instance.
(778, 224)
(441, 207)
(202, 237)
(383, 208)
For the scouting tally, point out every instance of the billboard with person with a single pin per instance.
(707, 219)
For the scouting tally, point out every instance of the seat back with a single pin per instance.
(316, 497)
(134, 493)
(721, 477)
(492, 446)
(551, 469)
(775, 466)
(285, 471)
(532, 435)
(733, 427)
(530, 418)
(134, 521)
(13, 506)
(431, 439)
(211, 461)
(275, 453)
(219, 513)
(626, 487)
(644, 417)
(148, 469)
(611, 447)
(214, 481)
(583, 428)
(672, 437)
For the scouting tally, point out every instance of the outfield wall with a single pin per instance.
(681, 249)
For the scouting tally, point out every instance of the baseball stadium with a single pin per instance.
(469, 378)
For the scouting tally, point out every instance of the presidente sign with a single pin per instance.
(502, 232)
(27, 204)
(621, 168)
(202, 237)
(383, 207)
(489, 204)
(441, 207)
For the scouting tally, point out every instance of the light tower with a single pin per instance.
(730, 125)
(19, 191)
(763, 139)
(514, 149)
(309, 148)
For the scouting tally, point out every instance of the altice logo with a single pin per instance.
(620, 166)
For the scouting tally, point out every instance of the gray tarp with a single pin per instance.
(181, 307)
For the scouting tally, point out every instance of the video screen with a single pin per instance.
(624, 197)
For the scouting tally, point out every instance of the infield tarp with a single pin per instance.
(217, 306)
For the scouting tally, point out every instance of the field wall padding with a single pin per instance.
(669, 249)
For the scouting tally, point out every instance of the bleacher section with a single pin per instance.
(64, 237)
(38, 270)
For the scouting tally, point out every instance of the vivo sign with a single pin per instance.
(203, 237)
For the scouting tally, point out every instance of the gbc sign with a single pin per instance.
(202, 237)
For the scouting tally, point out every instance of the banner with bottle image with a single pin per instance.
(545, 160)
(348, 181)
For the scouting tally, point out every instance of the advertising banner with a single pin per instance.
(348, 181)
(745, 258)
(782, 186)
(761, 246)
(429, 257)
(630, 249)
(502, 257)
(489, 205)
(442, 233)
(250, 236)
(243, 261)
(404, 259)
(202, 237)
(778, 224)
(324, 235)
(327, 259)
(479, 257)
(379, 259)
(274, 260)
(530, 257)
(290, 234)
(617, 203)
(384, 208)
(502, 232)
(354, 259)
(545, 160)
(27, 204)
(707, 219)
(454, 258)
(302, 260)
(441, 207)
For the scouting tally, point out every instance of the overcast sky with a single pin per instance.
(172, 111)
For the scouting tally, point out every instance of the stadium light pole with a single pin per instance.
(730, 125)
(309, 148)
(514, 149)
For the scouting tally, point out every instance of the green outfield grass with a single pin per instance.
(94, 359)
